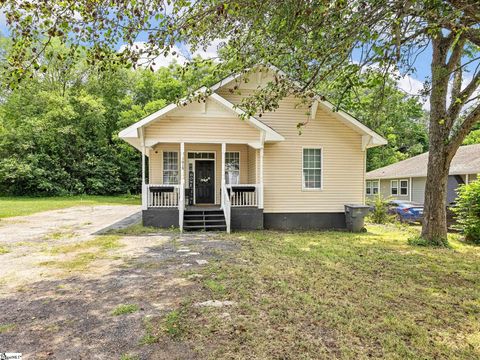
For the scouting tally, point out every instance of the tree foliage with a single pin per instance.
(467, 211)
(58, 133)
(395, 115)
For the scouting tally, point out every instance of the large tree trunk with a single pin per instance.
(434, 229)
(435, 215)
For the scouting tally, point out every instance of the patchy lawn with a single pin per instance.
(17, 206)
(338, 295)
(137, 293)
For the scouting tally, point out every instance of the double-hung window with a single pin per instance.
(399, 187)
(403, 187)
(170, 167)
(312, 168)
(232, 167)
(371, 187)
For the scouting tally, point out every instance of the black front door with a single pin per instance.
(204, 182)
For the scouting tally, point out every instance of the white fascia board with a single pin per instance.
(271, 135)
(226, 81)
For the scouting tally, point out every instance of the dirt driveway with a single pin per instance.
(67, 291)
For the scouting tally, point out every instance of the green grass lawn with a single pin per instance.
(339, 295)
(15, 206)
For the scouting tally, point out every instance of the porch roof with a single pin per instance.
(132, 134)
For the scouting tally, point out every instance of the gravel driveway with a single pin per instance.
(62, 284)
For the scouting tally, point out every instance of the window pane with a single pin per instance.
(170, 167)
(312, 173)
(232, 167)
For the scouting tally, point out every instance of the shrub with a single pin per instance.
(467, 211)
(379, 213)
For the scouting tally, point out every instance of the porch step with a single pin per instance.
(208, 220)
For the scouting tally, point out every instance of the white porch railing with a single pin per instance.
(159, 195)
(226, 206)
(243, 195)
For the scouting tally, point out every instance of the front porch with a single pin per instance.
(201, 186)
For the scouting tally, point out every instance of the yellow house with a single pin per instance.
(210, 168)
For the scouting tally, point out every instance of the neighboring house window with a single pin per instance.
(372, 187)
(403, 187)
(394, 187)
(312, 168)
(232, 167)
(170, 167)
(399, 187)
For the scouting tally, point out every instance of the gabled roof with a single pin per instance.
(374, 140)
(369, 137)
(133, 131)
(465, 161)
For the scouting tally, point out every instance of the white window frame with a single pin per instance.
(370, 186)
(163, 166)
(239, 166)
(321, 168)
(400, 187)
(393, 187)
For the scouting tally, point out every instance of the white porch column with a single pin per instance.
(181, 202)
(260, 194)
(144, 184)
(224, 150)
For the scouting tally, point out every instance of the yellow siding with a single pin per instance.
(343, 160)
(190, 124)
(252, 165)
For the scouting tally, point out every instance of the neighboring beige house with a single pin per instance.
(406, 179)
(210, 169)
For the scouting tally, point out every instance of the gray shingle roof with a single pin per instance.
(465, 161)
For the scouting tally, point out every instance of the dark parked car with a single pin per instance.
(406, 211)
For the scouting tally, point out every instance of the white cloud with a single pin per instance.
(414, 87)
(182, 54)
(159, 61)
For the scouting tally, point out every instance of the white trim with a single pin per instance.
(195, 175)
(181, 200)
(313, 110)
(466, 179)
(321, 168)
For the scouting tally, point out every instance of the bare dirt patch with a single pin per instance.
(54, 310)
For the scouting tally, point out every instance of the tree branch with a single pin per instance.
(457, 138)
(462, 97)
